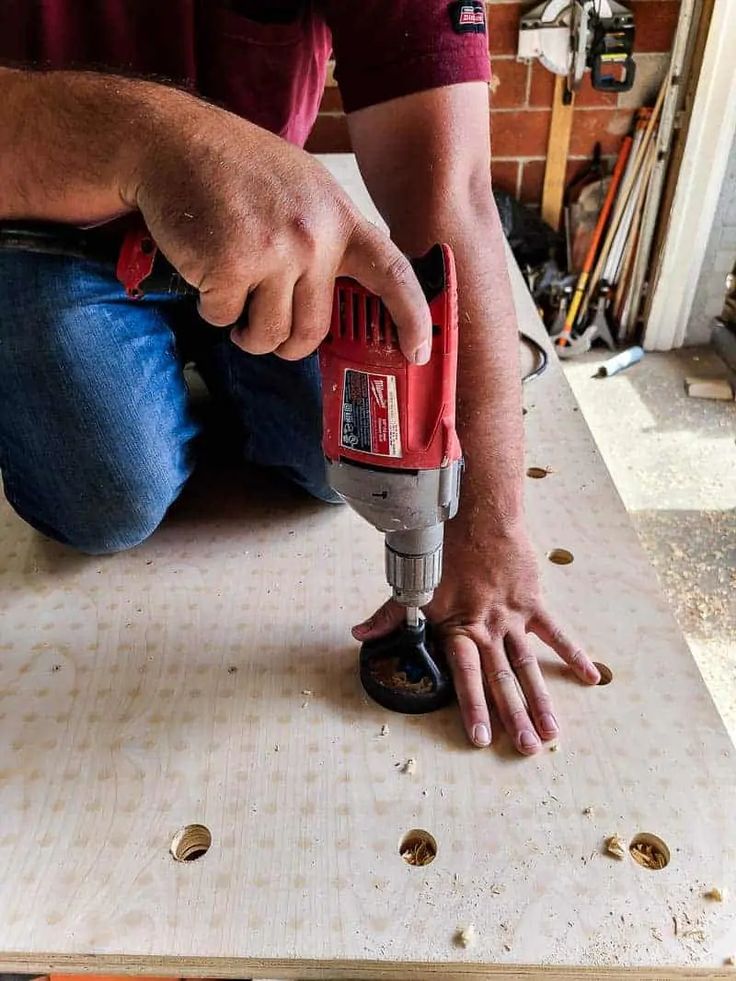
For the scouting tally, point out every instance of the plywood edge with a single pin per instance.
(289, 970)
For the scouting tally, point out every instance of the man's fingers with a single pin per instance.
(222, 305)
(504, 691)
(311, 313)
(386, 618)
(374, 261)
(527, 670)
(269, 317)
(464, 661)
(555, 637)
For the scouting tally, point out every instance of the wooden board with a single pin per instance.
(209, 677)
(558, 144)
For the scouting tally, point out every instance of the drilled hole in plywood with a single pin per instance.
(560, 556)
(418, 847)
(605, 672)
(191, 843)
(649, 851)
(537, 473)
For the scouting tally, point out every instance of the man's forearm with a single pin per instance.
(489, 388)
(72, 141)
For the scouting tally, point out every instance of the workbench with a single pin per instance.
(207, 680)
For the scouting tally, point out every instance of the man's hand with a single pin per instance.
(487, 603)
(240, 213)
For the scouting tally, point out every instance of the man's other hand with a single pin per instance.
(487, 603)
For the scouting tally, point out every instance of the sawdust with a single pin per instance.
(384, 730)
(466, 936)
(418, 852)
(386, 672)
(588, 811)
(410, 766)
(615, 847)
(716, 894)
(648, 855)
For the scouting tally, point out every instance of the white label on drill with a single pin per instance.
(370, 413)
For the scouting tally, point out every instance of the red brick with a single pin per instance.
(532, 179)
(604, 126)
(505, 175)
(542, 87)
(508, 84)
(503, 27)
(329, 135)
(655, 22)
(520, 134)
(331, 100)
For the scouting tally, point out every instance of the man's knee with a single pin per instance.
(105, 520)
(121, 527)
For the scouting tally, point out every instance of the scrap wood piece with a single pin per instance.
(710, 388)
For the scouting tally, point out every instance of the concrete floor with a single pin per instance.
(673, 460)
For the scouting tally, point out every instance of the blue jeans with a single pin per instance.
(97, 434)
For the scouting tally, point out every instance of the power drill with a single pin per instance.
(389, 436)
(393, 454)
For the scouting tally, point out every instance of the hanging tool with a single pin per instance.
(389, 436)
(570, 36)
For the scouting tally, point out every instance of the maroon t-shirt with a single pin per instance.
(263, 59)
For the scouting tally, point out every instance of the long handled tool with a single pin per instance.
(564, 337)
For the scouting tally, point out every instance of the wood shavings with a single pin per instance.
(307, 691)
(698, 935)
(715, 894)
(418, 852)
(649, 855)
(384, 730)
(466, 936)
(615, 847)
(656, 934)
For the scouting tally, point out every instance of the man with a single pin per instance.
(95, 430)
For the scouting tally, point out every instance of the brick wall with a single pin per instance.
(522, 97)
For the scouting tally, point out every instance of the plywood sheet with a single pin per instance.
(209, 676)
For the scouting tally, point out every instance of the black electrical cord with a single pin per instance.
(543, 357)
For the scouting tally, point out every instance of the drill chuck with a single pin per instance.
(414, 564)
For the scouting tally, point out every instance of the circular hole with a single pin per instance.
(560, 556)
(605, 673)
(418, 847)
(191, 843)
(649, 851)
(536, 473)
